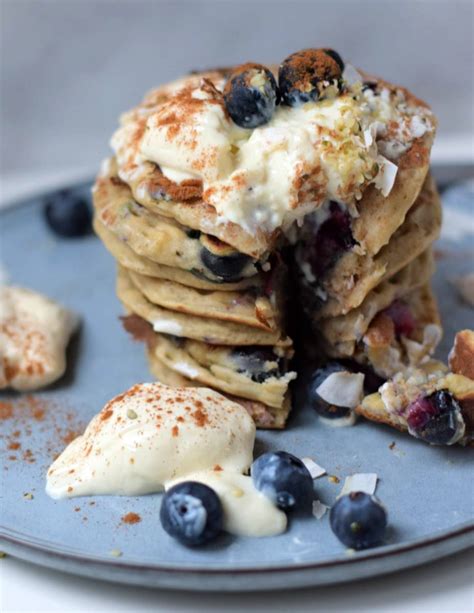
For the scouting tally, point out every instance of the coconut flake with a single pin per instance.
(386, 177)
(342, 389)
(465, 287)
(360, 482)
(186, 369)
(314, 469)
(319, 509)
(167, 326)
(351, 76)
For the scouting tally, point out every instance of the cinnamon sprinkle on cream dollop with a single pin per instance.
(34, 334)
(153, 436)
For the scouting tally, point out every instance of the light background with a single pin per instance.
(69, 67)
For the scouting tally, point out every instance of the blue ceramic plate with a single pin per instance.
(427, 490)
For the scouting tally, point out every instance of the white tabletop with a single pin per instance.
(446, 585)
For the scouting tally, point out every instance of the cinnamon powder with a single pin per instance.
(131, 518)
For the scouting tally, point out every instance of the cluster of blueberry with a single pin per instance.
(191, 512)
(251, 92)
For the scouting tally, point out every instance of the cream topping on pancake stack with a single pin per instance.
(34, 333)
(153, 436)
(272, 175)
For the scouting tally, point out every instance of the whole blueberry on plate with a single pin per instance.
(251, 95)
(359, 520)
(191, 512)
(323, 408)
(436, 418)
(68, 214)
(305, 75)
(284, 479)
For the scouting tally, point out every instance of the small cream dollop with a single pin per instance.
(153, 436)
(34, 334)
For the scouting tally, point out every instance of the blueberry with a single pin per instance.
(227, 267)
(194, 234)
(251, 361)
(68, 214)
(436, 419)
(358, 520)
(191, 512)
(304, 75)
(336, 57)
(284, 479)
(322, 407)
(402, 317)
(251, 95)
(330, 240)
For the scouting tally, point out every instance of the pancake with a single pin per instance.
(155, 237)
(265, 417)
(232, 371)
(378, 217)
(353, 325)
(387, 352)
(208, 330)
(246, 307)
(184, 201)
(354, 275)
(141, 265)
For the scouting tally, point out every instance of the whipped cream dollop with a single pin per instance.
(153, 436)
(275, 174)
(34, 334)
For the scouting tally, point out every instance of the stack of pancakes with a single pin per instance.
(210, 297)
(221, 327)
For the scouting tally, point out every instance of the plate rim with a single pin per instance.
(462, 531)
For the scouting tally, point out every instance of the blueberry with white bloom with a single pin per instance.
(284, 479)
(191, 512)
(251, 95)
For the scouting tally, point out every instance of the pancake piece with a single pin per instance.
(388, 350)
(158, 238)
(264, 416)
(345, 285)
(353, 325)
(416, 400)
(127, 258)
(248, 307)
(214, 332)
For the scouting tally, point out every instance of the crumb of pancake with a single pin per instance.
(333, 479)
